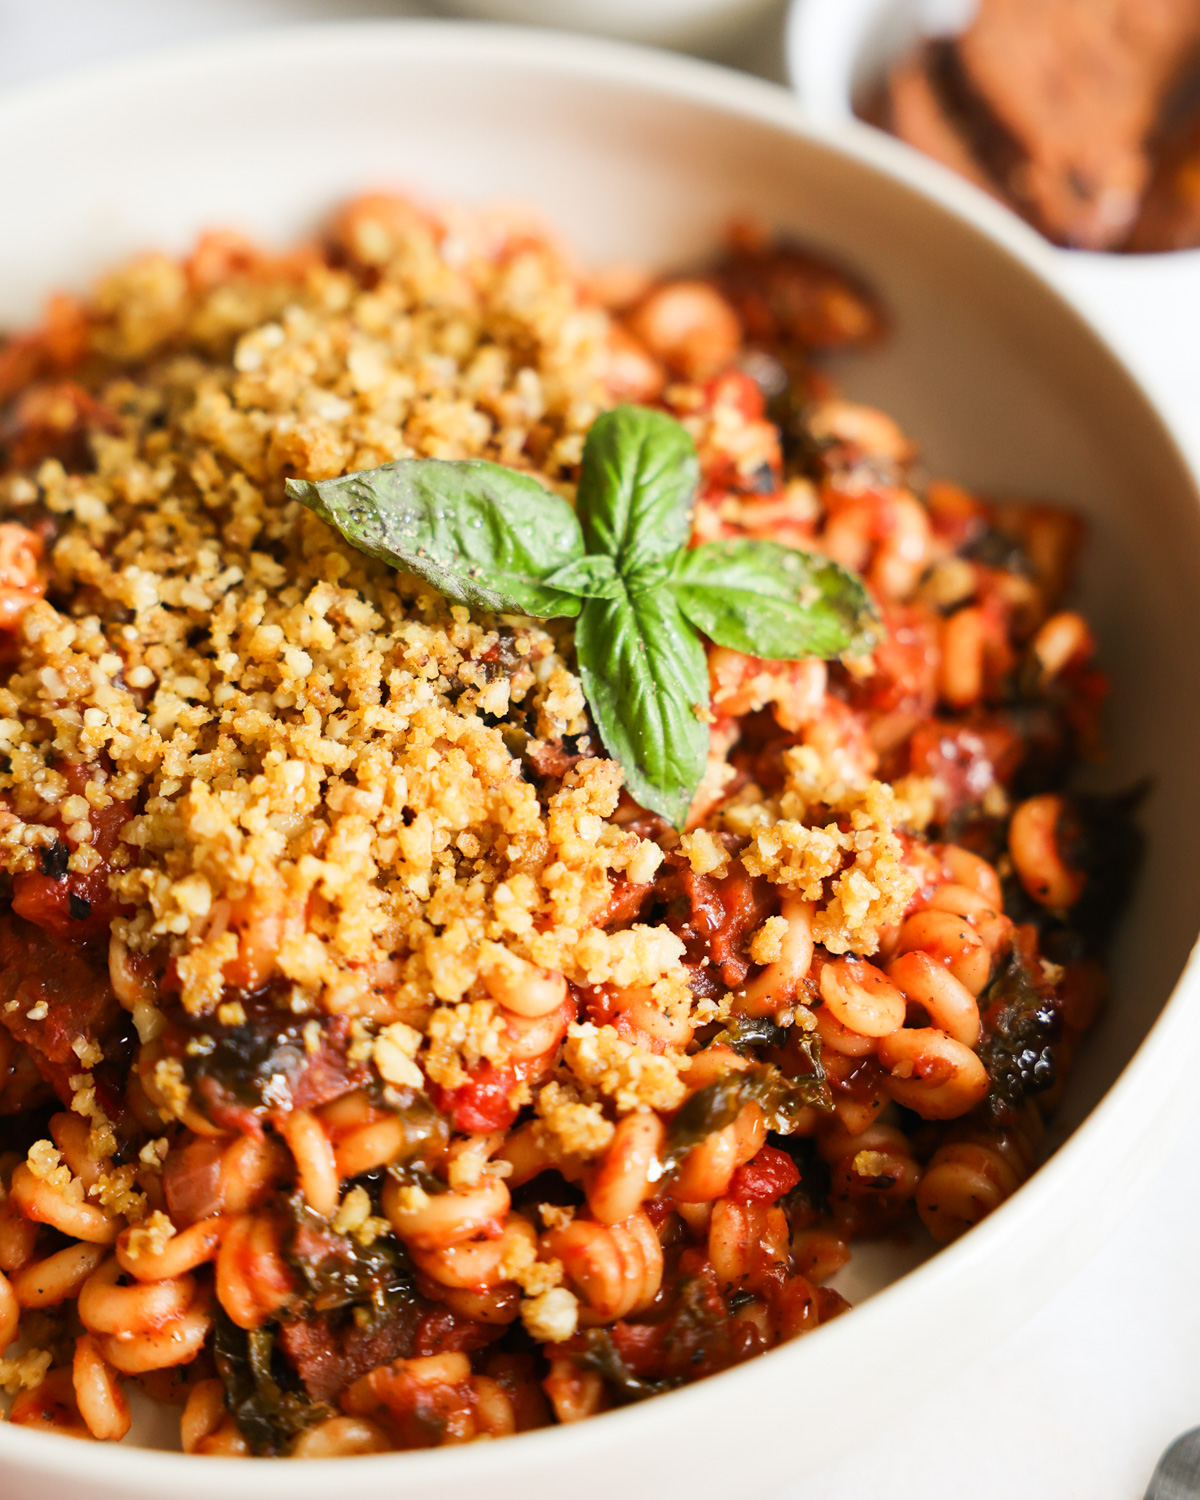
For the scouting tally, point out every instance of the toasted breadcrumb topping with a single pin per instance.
(570, 1125)
(624, 1071)
(26, 1371)
(150, 1237)
(324, 794)
(551, 1317)
(46, 1163)
(767, 943)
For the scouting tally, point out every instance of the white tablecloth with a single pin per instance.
(1078, 1402)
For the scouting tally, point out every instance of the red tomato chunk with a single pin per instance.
(771, 1174)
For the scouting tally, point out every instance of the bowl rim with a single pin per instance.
(152, 1471)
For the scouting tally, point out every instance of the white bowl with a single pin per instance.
(836, 50)
(1004, 384)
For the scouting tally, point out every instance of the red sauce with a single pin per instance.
(67, 904)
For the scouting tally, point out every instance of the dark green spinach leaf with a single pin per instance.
(600, 1354)
(1022, 1028)
(719, 1103)
(260, 1394)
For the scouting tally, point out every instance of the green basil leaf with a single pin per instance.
(481, 534)
(636, 488)
(646, 679)
(773, 601)
(591, 577)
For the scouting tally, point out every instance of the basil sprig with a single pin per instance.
(495, 539)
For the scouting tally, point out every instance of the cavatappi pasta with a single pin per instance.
(374, 1074)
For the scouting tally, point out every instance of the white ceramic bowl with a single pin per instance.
(642, 155)
(836, 50)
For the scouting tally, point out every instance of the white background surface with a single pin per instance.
(1078, 1402)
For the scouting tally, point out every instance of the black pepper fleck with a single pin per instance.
(53, 858)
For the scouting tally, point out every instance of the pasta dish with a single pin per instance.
(377, 1071)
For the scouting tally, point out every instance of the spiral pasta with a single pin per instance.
(432, 1401)
(378, 1073)
(970, 1176)
(614, 1269)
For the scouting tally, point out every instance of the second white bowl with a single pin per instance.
(1149, 304)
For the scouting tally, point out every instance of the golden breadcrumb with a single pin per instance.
(323, 792)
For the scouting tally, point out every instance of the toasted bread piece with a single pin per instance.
(914, 109)
(1170, 216)
(1079, 86)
